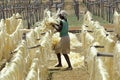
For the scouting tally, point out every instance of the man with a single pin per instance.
(64, 44)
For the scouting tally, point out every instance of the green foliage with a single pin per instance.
(73, 22)
(101, 20)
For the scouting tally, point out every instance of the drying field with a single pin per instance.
(28, 54)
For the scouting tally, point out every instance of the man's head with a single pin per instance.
(62, 14)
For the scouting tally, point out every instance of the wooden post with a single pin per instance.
(102, 8)
(96, 8)
(76, 8)
(99, 8)
(104, 54)
(3, 10)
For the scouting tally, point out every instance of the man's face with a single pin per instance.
(60, 16)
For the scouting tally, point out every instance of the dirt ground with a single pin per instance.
(75, 74)
(78, 73)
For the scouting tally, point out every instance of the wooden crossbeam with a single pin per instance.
(79, 31)
(97, 46)
(75, 31)
(110, 30)
(104, 54)
(36, 46)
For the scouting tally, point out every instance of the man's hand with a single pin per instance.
(52, 24)
(58, 27)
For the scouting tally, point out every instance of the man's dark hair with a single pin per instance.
(62, 17)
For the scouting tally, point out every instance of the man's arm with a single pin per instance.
(58, 27)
